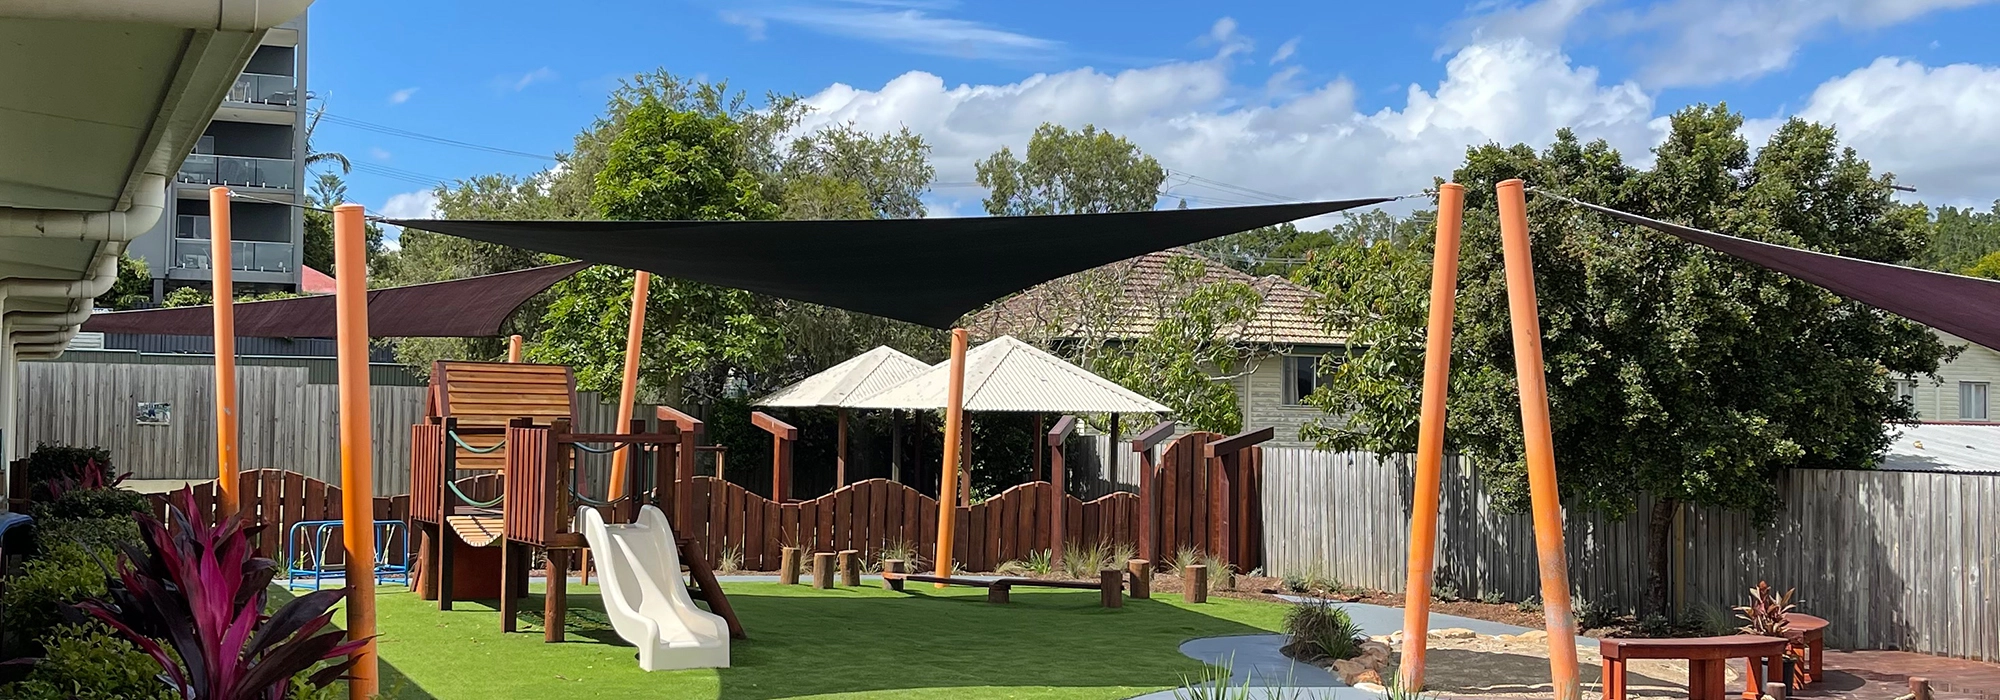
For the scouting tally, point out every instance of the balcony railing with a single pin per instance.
(239, 171)
(248, 256)
(265, 89)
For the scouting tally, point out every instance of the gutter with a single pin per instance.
(43, 335)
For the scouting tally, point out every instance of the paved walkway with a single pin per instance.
(1885, 675)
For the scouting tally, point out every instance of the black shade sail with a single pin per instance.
(474, 307)
(1967, 307)
(926, 271)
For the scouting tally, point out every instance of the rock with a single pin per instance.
(1453, 633)
(1371, 688)
(1369, 677)
(1348, 670)
(1375, 650)
(1533, 636)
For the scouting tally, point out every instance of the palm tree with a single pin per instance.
(315, 156)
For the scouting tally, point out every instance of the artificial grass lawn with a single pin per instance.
(842, 643)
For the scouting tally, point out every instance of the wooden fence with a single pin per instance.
(286, 422)
(280, 499)
(877, 515)
(1901, 560)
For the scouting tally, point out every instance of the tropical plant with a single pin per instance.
(198, 588)
(1765, 613)
(314, 156)
(1324, 628)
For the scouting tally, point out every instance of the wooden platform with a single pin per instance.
(477, 530)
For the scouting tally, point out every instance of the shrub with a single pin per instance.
(913, 560)
(1593, 614)
(1492, 598)
(1038, 563)
(1323, 627)
(105, 536)
(1532, 605)
(89, 663)
(35, 601)
(1084, 561)
(53, 461)
(79, 504)
(1295, 583)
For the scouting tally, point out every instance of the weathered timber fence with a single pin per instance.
(287, 423)
(1903, 560)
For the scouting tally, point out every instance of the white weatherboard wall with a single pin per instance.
(1938, 401)
(1897, 560)
(1261, 392)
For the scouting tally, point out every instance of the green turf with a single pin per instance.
(843, 643)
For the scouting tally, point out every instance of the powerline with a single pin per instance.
(406, 133)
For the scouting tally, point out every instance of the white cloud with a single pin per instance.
(1226, 39)
(521, 82)
(421, 204)
(1543, 22)
(378, 153)
(1709, 41)
(1312, 143)
(1285, 51)
(1936, 128)
(401, 96)
(903, 24)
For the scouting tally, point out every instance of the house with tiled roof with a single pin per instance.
(1284, 340)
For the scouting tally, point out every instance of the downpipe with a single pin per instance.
(29, 331)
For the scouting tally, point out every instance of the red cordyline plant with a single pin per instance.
(1766, 611)
(198, 589)
(84, 477)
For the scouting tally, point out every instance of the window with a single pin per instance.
(1301, 377)
(1972, 400)
(1906, 391)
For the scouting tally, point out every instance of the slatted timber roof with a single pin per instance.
(490, 394)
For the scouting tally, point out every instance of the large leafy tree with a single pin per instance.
(1071, 172)
(1672, 370)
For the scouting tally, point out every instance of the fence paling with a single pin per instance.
(1893, 559)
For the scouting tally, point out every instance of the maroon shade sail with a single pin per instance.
(1967, 307)
(927, 271)
(475, 307)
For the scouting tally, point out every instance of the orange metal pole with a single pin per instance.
(954, 430)
(628, 390)
(1538, 440)
(357, 479)
(222, 287)
(514, 349)
(1430, 435)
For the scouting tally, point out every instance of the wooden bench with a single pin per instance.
(1810, 632)
(1110, 584)
(1707, 658)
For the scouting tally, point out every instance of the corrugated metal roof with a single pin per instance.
(1005, 374)
(864, 374)
(1126, 297)
(1964, 448)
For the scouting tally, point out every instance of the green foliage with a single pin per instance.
(1987, 267)
(695, 333)
(329, 189)
(841, 172)
(1084, 560)
(88, 662)
(1040, 563)
(33, 603)
(1280, 249)
(1594, 614)
(1193, 344)
(1961, 238)
(92, 504)
(55, 460)
(1324, 628)
(1492, 598)
(1672, 370)
(1071, 172)
(198, 296)
(103, 535)
(133, 288)
(1213, 684)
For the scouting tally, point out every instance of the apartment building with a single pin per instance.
(256, 146)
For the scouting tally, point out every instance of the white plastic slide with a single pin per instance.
(639, 571)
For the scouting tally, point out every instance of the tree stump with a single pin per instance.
(788, 566)
(1111, 587)
(1141, 572)
(850, 567)
(892, 566)
(1194, 583)
(823, 570)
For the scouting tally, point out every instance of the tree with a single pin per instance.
(1960, 238)
(858, 175)
(1194, 346)
(1277, 250)
(327, 191)
(1673, 370)
(1987, 267)
(1071, 172)
(133, 288)
(314, 156)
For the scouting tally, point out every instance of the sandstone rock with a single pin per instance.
(1533, 636)
(1370, 688)
(1369, 677)
(1348, 670)
(1453, 633)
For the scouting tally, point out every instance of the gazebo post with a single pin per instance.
(954, 413)
(964, 460)
(896, 445)
(1111, 460)
(1039, 449)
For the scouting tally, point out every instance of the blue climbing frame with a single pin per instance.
(311, 544)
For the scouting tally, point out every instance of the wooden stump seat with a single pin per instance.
(1706, 657)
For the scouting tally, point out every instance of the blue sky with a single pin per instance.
(1292, 100)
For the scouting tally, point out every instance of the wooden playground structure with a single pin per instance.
(513, 420)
